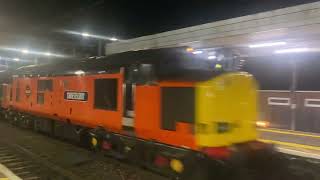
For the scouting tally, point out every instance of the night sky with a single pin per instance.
(44, 19)
(123, 19)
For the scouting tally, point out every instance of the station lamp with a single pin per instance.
(48, 54)
(197, 52)
(85, 34)
(212, 57)
(79, 72)
(294, 50)
(113, 39)
(25, 51)
(269, 44)
(189, 49)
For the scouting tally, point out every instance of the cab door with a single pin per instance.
(128, 108)
(136, 74)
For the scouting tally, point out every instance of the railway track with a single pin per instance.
(33, 156)
(304, 168)
(29, 166)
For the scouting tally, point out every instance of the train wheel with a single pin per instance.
(136, 154)
(118, 147)
(29, 123)
(36, 125)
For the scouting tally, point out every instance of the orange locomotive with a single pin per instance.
(165, 109)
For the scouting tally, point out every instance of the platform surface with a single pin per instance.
(6, 174)
(293, 142)
(3, 177)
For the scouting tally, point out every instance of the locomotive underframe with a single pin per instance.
(153, 155)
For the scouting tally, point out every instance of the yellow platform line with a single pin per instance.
(9, 174)
(290, 132)
(317, 148)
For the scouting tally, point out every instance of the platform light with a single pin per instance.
(295, 50)
(32, 52)
(113, 39)
(16, 59)
(270, 44)
(212, 57)
(79, 72)
(189, 49)
(85, 34)
(197, 52)
(95, 36)
(25, 51)
(100, 72)
(47, 54)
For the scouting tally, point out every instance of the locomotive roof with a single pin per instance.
(168, 63)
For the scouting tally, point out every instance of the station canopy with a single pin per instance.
(292, 29)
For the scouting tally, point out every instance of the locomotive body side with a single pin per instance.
(67, 99)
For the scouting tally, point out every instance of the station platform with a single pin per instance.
(6, 174)
(293, 142)
(3, 177)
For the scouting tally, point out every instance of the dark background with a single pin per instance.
(274, 72)
(124, 19)
(47, 19)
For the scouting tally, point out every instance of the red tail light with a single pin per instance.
(217, 152)
(161, 161)
(106, 145)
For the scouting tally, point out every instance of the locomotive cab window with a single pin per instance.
(44, 85)
(106, 91)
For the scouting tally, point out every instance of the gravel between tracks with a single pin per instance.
(70, 159)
